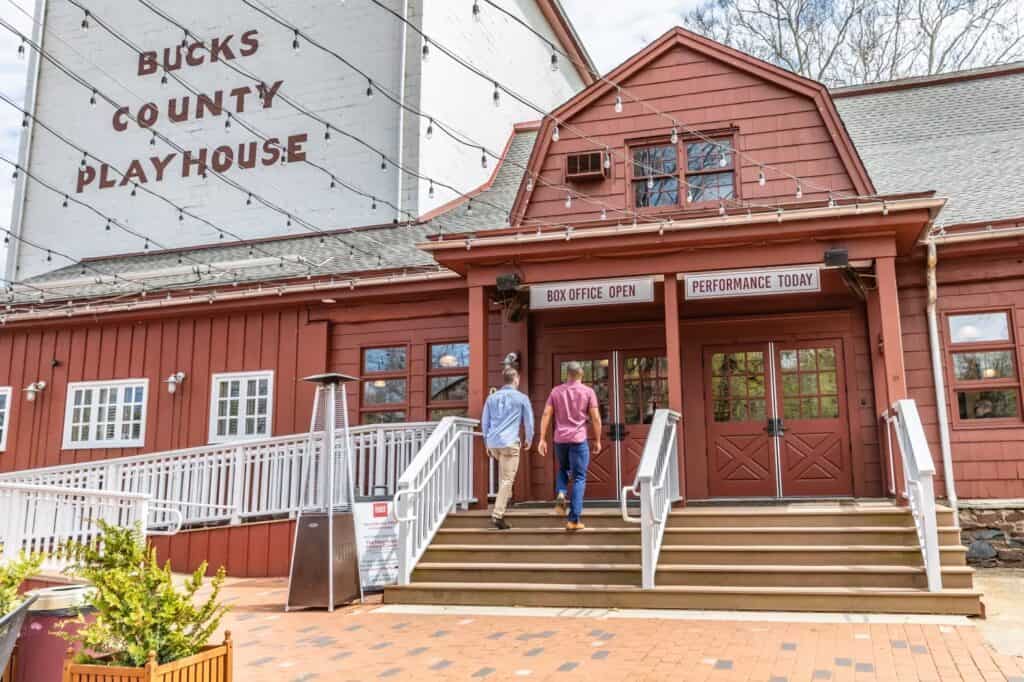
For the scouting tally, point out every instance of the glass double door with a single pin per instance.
(629, 386)
(777, 420)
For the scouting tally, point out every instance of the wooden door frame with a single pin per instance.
(696, 333)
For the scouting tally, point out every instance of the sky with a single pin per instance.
(610, 35)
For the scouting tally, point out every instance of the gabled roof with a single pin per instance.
(681, 37)
(960, 134)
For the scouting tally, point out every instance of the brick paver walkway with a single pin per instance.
(363, 643)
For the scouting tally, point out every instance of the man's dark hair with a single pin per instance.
(510, 375)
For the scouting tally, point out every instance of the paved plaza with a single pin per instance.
(373, 641)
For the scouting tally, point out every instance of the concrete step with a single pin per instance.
(538, 518)
(711, 575)
(822, 599)
(533, 554)
(798, 515)
(801, 555)
(556, 537)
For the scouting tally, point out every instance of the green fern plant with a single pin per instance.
(12, 575)
(138, 606)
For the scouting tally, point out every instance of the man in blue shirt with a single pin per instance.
(504, 413)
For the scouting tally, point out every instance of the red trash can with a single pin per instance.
(41, 653)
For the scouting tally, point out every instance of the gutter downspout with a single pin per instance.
(940, 384)
(401, 108)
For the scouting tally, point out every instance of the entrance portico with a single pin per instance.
(777, 363)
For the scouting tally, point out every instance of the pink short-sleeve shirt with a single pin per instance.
(571, 403)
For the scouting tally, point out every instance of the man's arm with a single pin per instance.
(527, 420)
(595, 421)
(485, 418)
(545, 424)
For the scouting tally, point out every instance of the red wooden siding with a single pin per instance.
(988, 460)
(776, 126)
(279, 340)
(252, 550)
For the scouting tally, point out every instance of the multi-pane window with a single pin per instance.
(385, 395)
(645, 387)
(447, 380)
(656, 176)
(810, 387)
(738, 386)
(705, 169)
(709, 170)
(241, 406)
(983, 366)
(105, 414)
(5, 414)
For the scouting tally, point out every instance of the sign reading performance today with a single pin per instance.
(753, 282)
(592, 293)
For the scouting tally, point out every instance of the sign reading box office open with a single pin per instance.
(592, 293)
(753, 282)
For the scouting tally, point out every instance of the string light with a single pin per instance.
(295, 42)
(430, 129)
(529, 182)
(483, 158)
(568, 200)
(476, 10)
(327, 133)
(92, 99)
(383, 163)
(604, 213)
(21, 49)
(64, 203)
(469, 206)
(761, 179)
(152, 140)
(430, 190)
(555, 134)
(227, 122)
(799, 190)
(618, 101)
(675, 135)
(554, 59)
(496, 96)
(607, 159)
(426, 49)
(85, 21)
(163, 79)
(85, 159)
(369, 88)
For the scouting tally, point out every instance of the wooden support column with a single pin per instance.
(886, 350)
(674, 353)
(478, 355)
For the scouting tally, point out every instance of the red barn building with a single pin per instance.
(705, 232)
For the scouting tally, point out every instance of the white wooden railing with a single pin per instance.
(439, 478)
(42, 519)
(919, 487)
(657, 486)
(229, 482)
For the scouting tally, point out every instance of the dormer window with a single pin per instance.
(704, 167)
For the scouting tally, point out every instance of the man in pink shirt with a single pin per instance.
(571, 404)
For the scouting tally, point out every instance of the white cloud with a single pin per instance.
(613, 30)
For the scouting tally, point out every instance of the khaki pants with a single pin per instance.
(508, 464)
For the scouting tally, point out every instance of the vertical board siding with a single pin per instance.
(988, 462)
(153, 349)
(252, 550)
(776, 126)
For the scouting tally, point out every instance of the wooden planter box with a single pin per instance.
(212, 664)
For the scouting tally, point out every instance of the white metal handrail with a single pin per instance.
(437, 480)
(657, 486)
(229, 482)
(41, 519)
(919, 490)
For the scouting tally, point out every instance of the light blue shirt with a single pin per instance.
(504, 411)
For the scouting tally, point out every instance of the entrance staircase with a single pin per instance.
(833, 557)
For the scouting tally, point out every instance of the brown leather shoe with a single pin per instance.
(574, 525)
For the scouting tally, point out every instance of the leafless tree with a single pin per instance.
(840, 42)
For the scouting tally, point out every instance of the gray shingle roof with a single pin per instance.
(962, 138)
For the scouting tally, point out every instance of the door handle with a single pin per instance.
(775, 426)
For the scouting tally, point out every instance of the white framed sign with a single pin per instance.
(766, 282)
(592, 293)
(377, 544)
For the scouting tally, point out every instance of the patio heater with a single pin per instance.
(325, 564)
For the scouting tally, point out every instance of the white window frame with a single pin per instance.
(7, 391)
(92, 443)
(241, 376)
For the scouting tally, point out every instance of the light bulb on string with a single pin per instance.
(369, 88)
(152, 140)
(799, 190)
(327, 133)
(227, 122)
(85, 21)
(618, 102)
(555, 134)
(135, 188)
(496, 96)
(107, 228)
(721, 208)
(529, 183)
(723, 161)
(604, 214)
(373, 203)
(248, 200)
(430, 129)
(469, 206)
(650, 182)
(675, 135)
(483, 158)
(181, 215)
(163, 79)
(607, 159)
(383, 163)
(333, 182)
(14, 175)
(92, 98)
(85, 159)
(476, 10)
(761, 179)
(295, 42)
(430, 190)
(426, 49)
(64, 204)
(21, 49)
(24, 121)
(568, 200)
(554, 59)
(184, 39)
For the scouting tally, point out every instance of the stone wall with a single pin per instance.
(993, 536)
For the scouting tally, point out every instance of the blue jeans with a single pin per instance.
(573, 460)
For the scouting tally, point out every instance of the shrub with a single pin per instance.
(11, 577)
(138, 607)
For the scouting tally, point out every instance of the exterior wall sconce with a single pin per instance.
(33, 390)
(173, 381)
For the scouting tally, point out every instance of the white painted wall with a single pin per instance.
(360, 31)
(497, 46)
